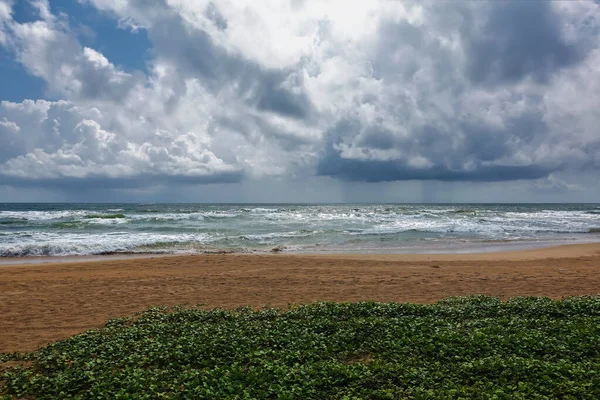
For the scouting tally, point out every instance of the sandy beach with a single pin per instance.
(46, 302)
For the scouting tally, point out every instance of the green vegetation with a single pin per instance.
(475, 347)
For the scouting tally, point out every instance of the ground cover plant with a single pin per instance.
(473, 347)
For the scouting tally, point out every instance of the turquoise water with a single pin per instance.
(44, 229)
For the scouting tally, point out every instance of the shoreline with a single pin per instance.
(43, 303)
(41, 260)
(467, 250)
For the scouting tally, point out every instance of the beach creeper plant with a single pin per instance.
(460, 348)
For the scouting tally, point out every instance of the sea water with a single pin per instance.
(43, 229)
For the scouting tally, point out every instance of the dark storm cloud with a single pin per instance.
(476, 156)
(270, 96)
(451, 119)
(99, 182)
(485, 143)
(383, 171)
(254, 129)
(519, 39)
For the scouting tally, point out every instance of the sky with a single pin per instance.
(299, 101)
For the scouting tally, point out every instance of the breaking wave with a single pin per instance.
(105, 216)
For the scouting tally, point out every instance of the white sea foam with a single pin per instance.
(261, 210)
(107, 221)
(278, 235)
(47, 244)
(44, 215)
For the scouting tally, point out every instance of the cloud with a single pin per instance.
(77, 149)
(448, 110)
(49, 50)
(5, 16)
(552, 184)
(181, 38)
(380, 91)
(376, 153)
(519, 40)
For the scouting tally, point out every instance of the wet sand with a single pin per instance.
(41, 303)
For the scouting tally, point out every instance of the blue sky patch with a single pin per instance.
(125, 48)
(16, 84)
(24, 12)
(100, 31)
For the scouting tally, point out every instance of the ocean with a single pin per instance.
(43, 229)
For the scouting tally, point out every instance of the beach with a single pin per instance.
(46, 302)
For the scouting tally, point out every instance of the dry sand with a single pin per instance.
(42, 303)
